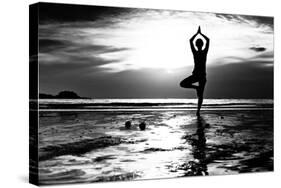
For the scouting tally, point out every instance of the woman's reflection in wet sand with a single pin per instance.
(198, 166)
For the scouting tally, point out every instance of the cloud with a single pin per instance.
(62, 13)
(68, 47)
(140, 38)
(257, 21)
(49, 45)
(262, 60)
(258, 49)
(261, 20)
(266, 55)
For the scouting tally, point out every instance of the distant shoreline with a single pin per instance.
(152, 109)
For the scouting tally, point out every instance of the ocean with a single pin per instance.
(150, 104)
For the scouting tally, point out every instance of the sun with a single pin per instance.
(161, 44)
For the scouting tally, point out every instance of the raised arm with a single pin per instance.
(192, 39)
(207, 42)
(191, 43)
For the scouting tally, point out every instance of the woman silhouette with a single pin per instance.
(199, 71)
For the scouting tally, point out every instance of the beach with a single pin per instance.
(91, 144)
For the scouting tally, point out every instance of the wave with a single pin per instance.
(83, 146)
(77, 148)
(152, 103)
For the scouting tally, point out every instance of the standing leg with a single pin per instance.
(200, 93)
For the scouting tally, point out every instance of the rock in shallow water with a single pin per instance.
(142, 126)
(128, 125)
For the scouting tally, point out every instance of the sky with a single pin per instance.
(111, 52)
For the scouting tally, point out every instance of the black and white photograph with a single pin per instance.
(122, 94)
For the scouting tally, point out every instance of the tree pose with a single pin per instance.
(199, 71)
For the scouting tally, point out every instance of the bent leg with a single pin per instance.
(200, 93)
(188, 82)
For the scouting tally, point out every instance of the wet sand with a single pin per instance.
(76, 147)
